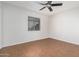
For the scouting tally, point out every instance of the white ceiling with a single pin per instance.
(35, 6)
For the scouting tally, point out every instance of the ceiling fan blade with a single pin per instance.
(57, 4)
(45, 3)
(42, 8)
(49, 2)
(50, 8)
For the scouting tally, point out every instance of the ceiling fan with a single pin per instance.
(48, 4)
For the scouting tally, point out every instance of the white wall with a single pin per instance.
(15, 25)
(0, 24)
(65, 25)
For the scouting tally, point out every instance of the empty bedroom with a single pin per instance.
(39, 28)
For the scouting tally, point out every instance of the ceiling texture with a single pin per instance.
(36, 6)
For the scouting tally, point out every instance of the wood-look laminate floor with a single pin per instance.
(44, 48)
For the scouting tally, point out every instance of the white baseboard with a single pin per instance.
(57, 38)
(24, 41)
(61, 39)
(0, 47)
